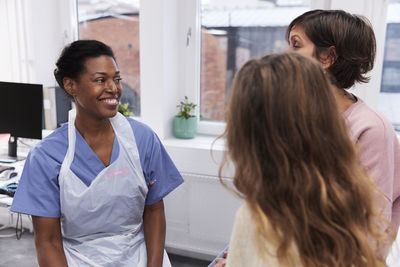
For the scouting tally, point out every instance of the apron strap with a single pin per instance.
(71, 143)
(125, 134)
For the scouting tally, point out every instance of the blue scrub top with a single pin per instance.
(38, 190)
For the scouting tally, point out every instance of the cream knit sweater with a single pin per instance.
(243, 251)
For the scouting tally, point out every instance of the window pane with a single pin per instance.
(116, 23)
(234, 31)
(389, 101)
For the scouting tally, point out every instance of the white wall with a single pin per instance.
(33, 33)
(159, 59)
(14, 56)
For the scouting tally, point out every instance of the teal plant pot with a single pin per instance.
(185, 128)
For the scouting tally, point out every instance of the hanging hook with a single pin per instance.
(188, 36)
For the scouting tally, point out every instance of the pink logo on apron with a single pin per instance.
(118, 172)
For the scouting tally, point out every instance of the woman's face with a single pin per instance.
(299, 42)
(98, 90)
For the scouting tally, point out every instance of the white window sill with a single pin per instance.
(200, 155)
(199, 142)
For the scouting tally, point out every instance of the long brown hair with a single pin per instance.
(296, 164)
(352, 37)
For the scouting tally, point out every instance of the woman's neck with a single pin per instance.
(91, 128)
(343, 98)
(99, 135)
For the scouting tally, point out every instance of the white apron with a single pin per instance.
(102, 224)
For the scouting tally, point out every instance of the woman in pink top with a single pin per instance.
(344, 44)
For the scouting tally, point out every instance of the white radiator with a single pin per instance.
(200, 215)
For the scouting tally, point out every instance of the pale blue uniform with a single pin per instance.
(38, 191)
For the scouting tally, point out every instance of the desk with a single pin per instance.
(5, 204)
(10, 219)
(6, 216)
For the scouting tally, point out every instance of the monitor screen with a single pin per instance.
(21, 108)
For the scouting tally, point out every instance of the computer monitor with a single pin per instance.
(21, 113)
(63, 105)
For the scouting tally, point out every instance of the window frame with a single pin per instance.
(170, 47)
(192, 62)
(387, 89)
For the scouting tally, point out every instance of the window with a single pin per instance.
(116, 23)
(389, 100)
(232, 32)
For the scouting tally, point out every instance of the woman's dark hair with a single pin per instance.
(71, 62)
(352, 37)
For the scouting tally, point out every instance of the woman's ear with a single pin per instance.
(328, 57)
(69, 86)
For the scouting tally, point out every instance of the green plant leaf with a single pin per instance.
(186, 108)
(124, 109)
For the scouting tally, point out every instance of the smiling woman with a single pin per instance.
(98, 181)
(98, 87)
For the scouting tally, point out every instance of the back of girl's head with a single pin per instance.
(281, 109)
(71, 62)
(351, 35)
(294, 160)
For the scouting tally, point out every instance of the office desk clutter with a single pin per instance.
(10, 173)
(9, 177)
(9, 189)
(5, 172)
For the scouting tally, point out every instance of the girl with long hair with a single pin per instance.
(307, 200)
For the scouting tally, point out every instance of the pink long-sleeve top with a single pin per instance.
(379, 150)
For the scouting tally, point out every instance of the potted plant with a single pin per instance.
(185, 123)
(124, 109)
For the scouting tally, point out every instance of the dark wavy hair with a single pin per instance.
(71, 62)
(296, 165)
(352, 37)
